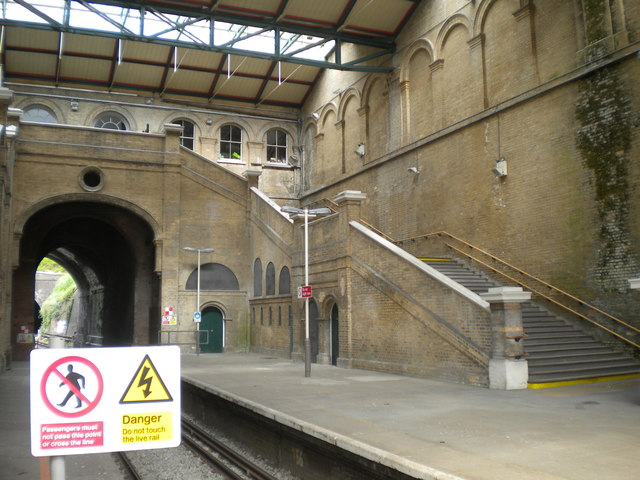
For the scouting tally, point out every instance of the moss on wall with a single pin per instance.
(605, 117)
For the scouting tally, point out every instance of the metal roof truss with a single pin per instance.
(202, 29)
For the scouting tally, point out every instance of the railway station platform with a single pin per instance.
(434, 430)
(423, 428)
(16, 461)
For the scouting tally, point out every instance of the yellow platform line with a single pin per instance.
(584, 381)
(424, 259)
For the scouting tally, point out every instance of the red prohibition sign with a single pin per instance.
(91, 404)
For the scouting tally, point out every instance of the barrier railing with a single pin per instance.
(44, 340)
(196, 342)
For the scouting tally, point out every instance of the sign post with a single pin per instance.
(96, 400)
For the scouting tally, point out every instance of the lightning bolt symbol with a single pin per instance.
(146, 382)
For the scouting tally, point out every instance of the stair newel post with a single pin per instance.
(508, 369)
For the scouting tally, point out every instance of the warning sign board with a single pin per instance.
(146, 385)
(92, 400)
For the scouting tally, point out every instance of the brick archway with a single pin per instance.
(109, 252)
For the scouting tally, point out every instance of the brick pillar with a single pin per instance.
(349, 204)
(252, 177)
(508, 369)
(168, 248)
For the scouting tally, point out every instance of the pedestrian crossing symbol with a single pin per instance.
(146, 385)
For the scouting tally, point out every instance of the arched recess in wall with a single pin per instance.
(328, 159)
(110, 117)
(507, 53)
(257, 278)
(352, 129)
(555, 47)
(309, 146)
(39, 113)
(213, 276)
(284, 282)
(462, 84)
(313, 330)
(376, 107)
(419, 94)
(270, 279)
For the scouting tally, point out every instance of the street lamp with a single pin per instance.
(316, 212)
(199, 250)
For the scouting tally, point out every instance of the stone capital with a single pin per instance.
(634, 283)
(506, 295)
(349, 195)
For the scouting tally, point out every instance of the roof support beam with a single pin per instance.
(186, 39)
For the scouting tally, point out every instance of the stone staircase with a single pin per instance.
(557, 352)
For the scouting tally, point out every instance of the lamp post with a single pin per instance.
(316, 212)
(199, 250)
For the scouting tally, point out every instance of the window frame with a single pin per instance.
(277, 146)
(183, 137)
(121, 120)
(234, 155)
(43, 108)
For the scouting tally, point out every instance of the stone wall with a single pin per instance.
(480, 81)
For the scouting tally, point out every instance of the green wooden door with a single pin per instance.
(213, 322)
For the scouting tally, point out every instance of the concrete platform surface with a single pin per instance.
(435, 430)
(16, 461)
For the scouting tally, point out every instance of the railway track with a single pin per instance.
(218, 456)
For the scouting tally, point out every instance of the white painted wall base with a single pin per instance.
(507, 374)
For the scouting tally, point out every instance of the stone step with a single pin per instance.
(556, 351)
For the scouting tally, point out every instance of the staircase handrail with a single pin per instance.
(379, 232)
(533, 290)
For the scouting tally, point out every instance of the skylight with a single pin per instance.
(86, 17)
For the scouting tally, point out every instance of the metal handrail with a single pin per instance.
(531, 277)
(379, 232)
(195, 333)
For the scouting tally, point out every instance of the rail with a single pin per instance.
(220, 455)
(531, 278)
(43, 340)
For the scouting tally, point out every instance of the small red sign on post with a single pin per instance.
(304, 291)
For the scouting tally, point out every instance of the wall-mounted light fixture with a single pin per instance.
(360, 150)
(500, 170)
(315, 116)
(74, 105)
(413, 170)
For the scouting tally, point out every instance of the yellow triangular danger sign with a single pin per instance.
(146, 385)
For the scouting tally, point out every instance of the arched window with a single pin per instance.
(112, 121)
(40, 114)
(271, 279)
(230, 142)
(188, 136)
(277, 146)
(284, 284)
(213, 276)
(257, 278)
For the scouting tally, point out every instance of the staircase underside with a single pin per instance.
(558, 354)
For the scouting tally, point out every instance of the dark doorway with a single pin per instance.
(213, 322)
(335, 337)
(313, 330)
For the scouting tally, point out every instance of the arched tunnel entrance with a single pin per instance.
(109, 251)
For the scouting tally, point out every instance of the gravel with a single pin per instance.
(178, 463)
